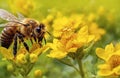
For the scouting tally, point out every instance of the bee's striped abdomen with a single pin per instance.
(7, 36)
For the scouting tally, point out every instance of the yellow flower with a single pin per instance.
(48, 21)
(58, 49)
(33, 58)
(76, 20)
(84, 36)
(111, 56)
(95, 30)
(20, 59)
(38, 74)
(23, 6)
(69, 42)
(58, 25)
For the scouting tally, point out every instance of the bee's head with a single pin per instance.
(34, 27)
(39, 30)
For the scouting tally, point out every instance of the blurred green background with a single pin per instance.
(39, 9)
(44, 7)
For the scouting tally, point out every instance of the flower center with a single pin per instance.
(114, 61)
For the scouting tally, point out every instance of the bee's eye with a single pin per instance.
(38, 29)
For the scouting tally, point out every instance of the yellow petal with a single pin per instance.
(101, 53)
(72, 49)
(83, 35)
(83, 31)
(109, 48)
(114, 53)
(57, 33)
(105, 70)
(104, 66)
(117, 70)
(90, 38)
(117, 47)
(57, 54)
(54, 44)
(40, 50)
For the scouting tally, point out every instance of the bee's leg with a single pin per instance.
(40, 40)
(31, 40)
(33, 36)
(15, 45)
(22, 40)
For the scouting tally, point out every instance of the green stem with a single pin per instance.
(81, 72)
(88, 48)
(27, 70)
(75, 68)
(69, 64)
(81, 69)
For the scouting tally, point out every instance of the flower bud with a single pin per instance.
(21, 59)
(10, 68)
(33, 58)
(38, 74)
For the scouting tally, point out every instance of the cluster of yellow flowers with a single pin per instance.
(24, 61)
(71, 33)
(70, 42)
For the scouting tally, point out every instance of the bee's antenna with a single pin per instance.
(50, 34)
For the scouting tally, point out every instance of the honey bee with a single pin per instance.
(17, 29)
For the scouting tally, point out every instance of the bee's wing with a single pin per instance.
(6, 24)
(20, 16)
(3, 25)
(7, 16)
